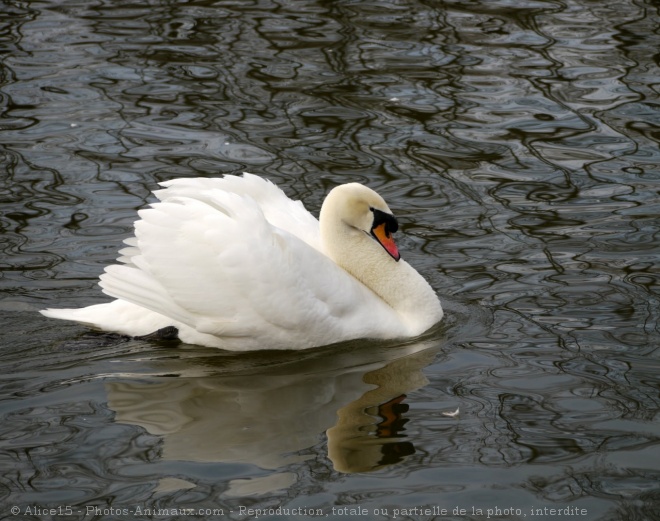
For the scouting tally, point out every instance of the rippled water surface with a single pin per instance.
(517, 142)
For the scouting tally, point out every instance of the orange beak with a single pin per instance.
(386, 240)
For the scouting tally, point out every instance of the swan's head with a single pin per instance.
(362, 209)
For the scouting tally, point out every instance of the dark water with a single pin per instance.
(517, 143)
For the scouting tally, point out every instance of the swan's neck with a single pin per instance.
(396, 283)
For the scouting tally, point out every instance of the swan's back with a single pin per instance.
(277, 208)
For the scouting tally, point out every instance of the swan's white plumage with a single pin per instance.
(233, 263)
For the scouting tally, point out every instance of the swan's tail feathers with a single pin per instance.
(81, 316)
(118, 316)
(107, 317)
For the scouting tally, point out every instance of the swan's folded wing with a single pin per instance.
(277, 208)
(221, 268)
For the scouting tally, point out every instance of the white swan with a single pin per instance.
(234, 263)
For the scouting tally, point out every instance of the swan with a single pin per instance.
(233, 263)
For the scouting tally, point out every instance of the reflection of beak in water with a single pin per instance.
(391, 412)
(369, 432)
(271, 417)
(392, 424)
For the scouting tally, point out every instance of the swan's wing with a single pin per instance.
(219, 266)
(277, 208)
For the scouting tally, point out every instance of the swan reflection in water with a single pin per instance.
(269, 416)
